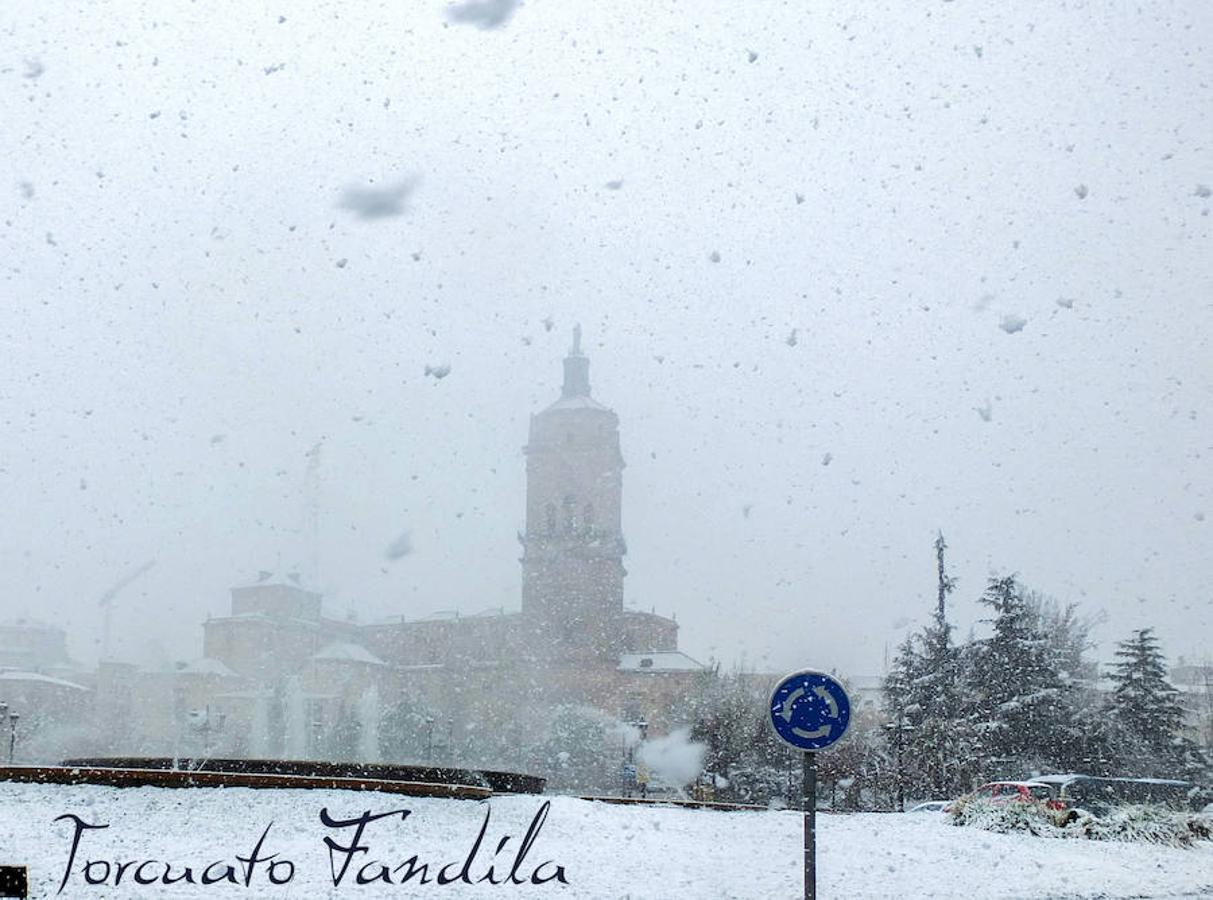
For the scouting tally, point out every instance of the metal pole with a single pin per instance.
(810, 826)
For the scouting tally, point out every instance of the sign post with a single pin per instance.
(810, 711)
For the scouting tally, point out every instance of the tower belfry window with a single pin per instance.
(570, 513)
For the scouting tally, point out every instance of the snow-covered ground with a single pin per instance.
(606, 851)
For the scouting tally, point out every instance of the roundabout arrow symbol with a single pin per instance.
(821, 732)
(828, 698)
(786, 710)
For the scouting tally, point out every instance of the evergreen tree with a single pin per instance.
(903, 714)
(406, 732)
(1144, 708)
(1084, 740)
(928, 731)
(1021, 710)
(941, 735)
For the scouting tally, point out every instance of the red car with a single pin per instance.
(1023, 791)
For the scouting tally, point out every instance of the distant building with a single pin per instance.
(33, 646)
(277, 677)
(1195, 686)
(39, 682)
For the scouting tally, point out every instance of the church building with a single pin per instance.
(278, 677)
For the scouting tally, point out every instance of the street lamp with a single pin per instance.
(12, 735)
(898, 729)
(206, 728)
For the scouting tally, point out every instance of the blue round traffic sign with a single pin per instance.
(810, 710)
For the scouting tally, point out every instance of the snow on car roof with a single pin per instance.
(1065, 779)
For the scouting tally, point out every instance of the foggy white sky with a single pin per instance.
(176, 331)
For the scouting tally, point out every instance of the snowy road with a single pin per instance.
(605, 851)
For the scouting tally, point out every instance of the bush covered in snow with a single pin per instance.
(1147, 824)
(1142, 824)
(1034, 818)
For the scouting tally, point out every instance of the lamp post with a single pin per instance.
(899, 728)
(12, 735)
(3, 716)
(206, 728)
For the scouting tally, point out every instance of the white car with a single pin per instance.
(929, 806)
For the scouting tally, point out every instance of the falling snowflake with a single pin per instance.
(1012, 323)
(401, 547)
(483, 14)
(369, 203)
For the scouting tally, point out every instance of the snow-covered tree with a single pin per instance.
(1022, 712)
(406, 732)
(902, 715)
(929, 733)
(581, 751)
(1084, 743)
(729, 716)
(1145, 711)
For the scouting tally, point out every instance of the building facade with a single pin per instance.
(279, 678)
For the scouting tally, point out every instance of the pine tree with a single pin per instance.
(903, 715)
(928, 730)
(1083, 737)
(1144, 707)
(1020, 707)
(938, 740)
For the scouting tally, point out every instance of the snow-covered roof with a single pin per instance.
(663, 661)
(1059, 779)
(40, 679)
(253, 694)
(206, 665)
(1035, 782)
(440, 615)
(344, 652)
(241, 618)
(578, 403)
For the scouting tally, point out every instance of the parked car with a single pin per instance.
(1096, 795)
(1015, 792)
(930, 806)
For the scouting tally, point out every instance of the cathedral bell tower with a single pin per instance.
(572, 560)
